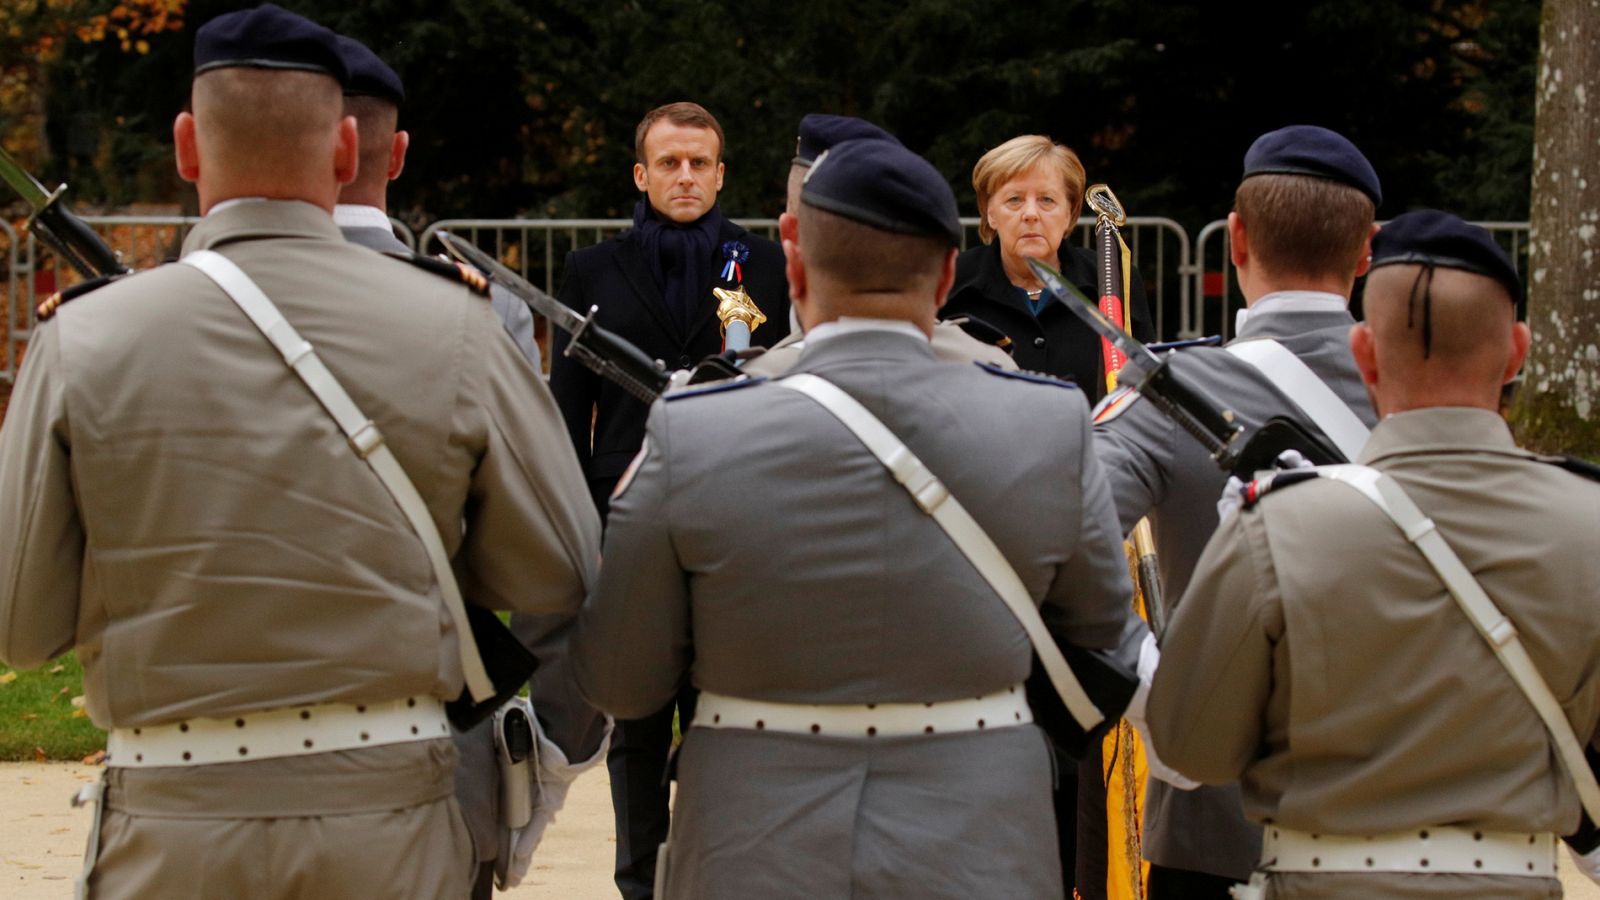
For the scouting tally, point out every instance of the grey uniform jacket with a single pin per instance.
(1157, 469)
(577, 727)
(1318, 658)
(180, 509)
(512, 311)
(834, 588)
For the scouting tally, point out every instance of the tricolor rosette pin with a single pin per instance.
(735, 252)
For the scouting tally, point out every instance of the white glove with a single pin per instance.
(1233, 492)
(554, 778)
(1232, 498)
(1149, 659)
(1587, 863)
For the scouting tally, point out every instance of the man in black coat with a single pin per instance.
(652, 285)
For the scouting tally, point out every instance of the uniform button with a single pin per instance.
(683, 362)
(1038, 342)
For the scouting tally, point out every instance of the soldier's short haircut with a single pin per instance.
(274, 122)
(682, 113)
(1303, 225)
(376, 121)
(863, 259)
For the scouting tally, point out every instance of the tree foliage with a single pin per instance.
(529, 107)
(40, 43)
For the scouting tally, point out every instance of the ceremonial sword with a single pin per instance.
(55, 225)
(600, 350)
(1114, 279)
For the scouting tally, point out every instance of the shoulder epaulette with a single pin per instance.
(459, 272)
(716, 387)
(1277, 481)
(1214, 340)
(50, 304)
(979, 330)
(1578, 466)
(1035, 377)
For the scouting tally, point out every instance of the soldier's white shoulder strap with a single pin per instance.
(363, 436)
(1490, 622)
(1310, 393)
(933, 498)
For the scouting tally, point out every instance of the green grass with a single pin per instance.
(37, 715)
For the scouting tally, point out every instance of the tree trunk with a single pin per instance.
(1558, 407)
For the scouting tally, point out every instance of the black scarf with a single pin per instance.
(679, 257)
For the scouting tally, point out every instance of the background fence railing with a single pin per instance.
(1190, 283)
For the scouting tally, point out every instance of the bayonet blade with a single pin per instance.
(1213, 425)
(500, 273)
(1084, 308)
(31, 191)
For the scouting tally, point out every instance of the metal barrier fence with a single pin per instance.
(140, 241)
(1215, 297)
(537, 248)
(1190, 281)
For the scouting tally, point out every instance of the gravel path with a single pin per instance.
(42, 837)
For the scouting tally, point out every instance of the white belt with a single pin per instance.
(1002, 709)
(290, 731)
(1433, 849)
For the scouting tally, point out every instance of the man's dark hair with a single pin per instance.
(683, 113)
(1303, 225)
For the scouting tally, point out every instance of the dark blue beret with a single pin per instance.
(1428, 237)
(1310, 150)
(883, 185)
(819, 131)
(268, 37)
(369, 75)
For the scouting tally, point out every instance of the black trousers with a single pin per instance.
(640, 792)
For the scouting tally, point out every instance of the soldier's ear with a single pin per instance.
(1364, 264)
(397, 153)
(1238, 241)
(1365, 351)
(947, 277)
(347, 151)
(1521, 339)
(794, 266)
(186, 151)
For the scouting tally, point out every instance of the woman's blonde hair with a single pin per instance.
(1016, 157)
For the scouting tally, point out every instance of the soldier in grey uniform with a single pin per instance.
(1299, 236)
(374, 96)
(818, 132)
(829, 640)
(1318, 658)
(260, 628)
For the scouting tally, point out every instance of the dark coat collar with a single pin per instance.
(980, 271)
(630, 258)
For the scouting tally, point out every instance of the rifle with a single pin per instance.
(52, 223)
(603, 352)
(1211, 423)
